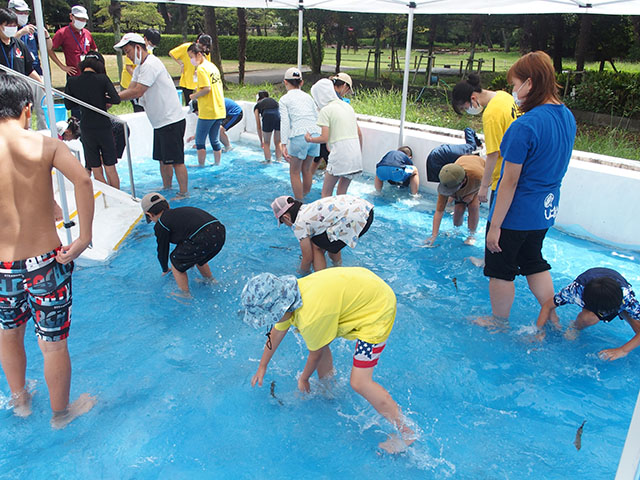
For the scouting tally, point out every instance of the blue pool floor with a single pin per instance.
(173, 376)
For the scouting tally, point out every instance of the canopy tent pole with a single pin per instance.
(405, 79)
(44, 62)
(300, 22)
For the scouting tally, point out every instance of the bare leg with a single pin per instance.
(414, 184)
(343, 185)
(166, 172)
(378, 184)
(362, 382)
(14, 364)
(585, 319)
(202, 156)
(224, 138)
(181, 279)
(319, 262)
(328, 184)
(313, 168)
(295, 166)
(205, 271)
(325, 365)
(458, 213)
(266, 145)
(541, 286)
(182, 176)
(307, 176)
(98, 175)
(336, 259)
(217, 154)
(502, 293)
(112, 176)
(276, 141)
(472, 220)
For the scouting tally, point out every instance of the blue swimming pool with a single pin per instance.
(173, 376)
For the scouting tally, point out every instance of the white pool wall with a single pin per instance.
(599, 199)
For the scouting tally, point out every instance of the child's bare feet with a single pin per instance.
(21, 403)
(398, 443)
(493, 323)
(82, 405)
(207, 280)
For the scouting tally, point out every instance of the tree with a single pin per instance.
(583, 41)
(115, 10)
(242, 43)
(133, 17)
(317, 20)
(211, 28)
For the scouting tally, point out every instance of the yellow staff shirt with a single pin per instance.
(210, 106)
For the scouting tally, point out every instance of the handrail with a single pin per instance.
(115, 118)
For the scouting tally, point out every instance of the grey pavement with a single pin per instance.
(258, 77)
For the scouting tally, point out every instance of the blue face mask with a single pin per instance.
(515, 94)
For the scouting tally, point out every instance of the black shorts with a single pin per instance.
(168, 143)
(322, 241)
(324, 153)
(231, 121)
(521, 254)
(200, 248)
(186, 93)
(118, 136)
(271, 120)
(99, 147)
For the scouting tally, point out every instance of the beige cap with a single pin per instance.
(293, 74)
(345, 78)
(149, 200)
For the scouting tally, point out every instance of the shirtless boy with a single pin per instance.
(35, 271)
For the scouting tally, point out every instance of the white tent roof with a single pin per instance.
(606, 7)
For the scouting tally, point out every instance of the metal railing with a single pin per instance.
(89, 107)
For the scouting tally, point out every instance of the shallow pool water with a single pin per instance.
(173, 376)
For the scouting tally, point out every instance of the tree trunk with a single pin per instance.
(88, 4)
(432, 33)
(558, 40)
(115, 10)
(319, 47)
(315, 56)
(162, 8)
(242, 43)
(378, 54)
(476, 34)
(506, 40)
(211, 27)
(583, 41)
(184, 27)
(338, 54)
(527, 34)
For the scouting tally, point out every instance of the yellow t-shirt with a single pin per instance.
(349, 302)
(125, 79)
(210, 106)
(499, 113)
(187, 79)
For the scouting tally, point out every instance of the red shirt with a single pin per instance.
(73, 44)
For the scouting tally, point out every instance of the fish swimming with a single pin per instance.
(578, 441)
(273, 392)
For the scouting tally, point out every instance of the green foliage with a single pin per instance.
(135, 16)
(499, 83)
(605, 92)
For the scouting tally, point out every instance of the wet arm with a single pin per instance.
(306, 248)
(275, 337)
(312, 363)
(545, 311)
(162, 237)
(258, 126)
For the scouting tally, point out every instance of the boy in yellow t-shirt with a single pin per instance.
(352, 303)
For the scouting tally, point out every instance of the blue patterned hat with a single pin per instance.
(267, 297)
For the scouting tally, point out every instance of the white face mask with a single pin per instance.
(137, 56)
(10, 31)
(78, 24)
(515, 94)
(23, 20)
(194, 62)
(150, 49)
(474, 110)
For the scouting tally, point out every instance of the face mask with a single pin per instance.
(194, 62)
(78, 24)
(150, 49)
(474, 110)
(137, 56)
(23, 19)
(10, 31)
(515, 94)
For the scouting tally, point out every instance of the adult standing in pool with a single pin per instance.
(35, 279)
(154, 86)
(352, 303)
(152, 39)
(211, 109)
(499, 110)
(326, 225)
(536, 150)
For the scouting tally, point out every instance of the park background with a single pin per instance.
(370, 47)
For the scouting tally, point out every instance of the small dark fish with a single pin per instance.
(273, 392)
(279, 248)
(455, 283)
(578, 441)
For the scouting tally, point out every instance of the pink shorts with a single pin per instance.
(367, 354)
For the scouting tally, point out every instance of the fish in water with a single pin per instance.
(455, 283)
(578, 441)
(273, 392)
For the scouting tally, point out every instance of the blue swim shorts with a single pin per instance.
(298, 147)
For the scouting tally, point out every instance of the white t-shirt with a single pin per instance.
(298, 115)
(160, 101)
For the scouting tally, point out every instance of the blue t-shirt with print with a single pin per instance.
(541, 141)
(232, 107)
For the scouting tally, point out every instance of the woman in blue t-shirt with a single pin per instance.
(536, 150)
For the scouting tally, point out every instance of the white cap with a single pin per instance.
(61, 126)
(19, 6)
(79, 11)
(129, 38)
(293, 74)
